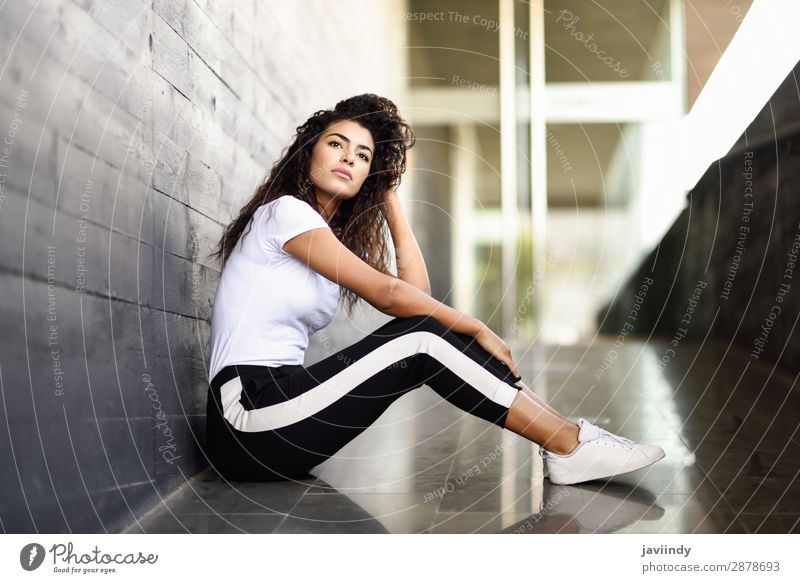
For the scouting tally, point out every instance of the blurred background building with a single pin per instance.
(552, 202)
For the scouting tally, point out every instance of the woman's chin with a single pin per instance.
(343, 194)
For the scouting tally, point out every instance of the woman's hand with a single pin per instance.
(495, 346)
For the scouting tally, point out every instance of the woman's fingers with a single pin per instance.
(511, 365)
(498, 348)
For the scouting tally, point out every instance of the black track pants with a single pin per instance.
(272, 423)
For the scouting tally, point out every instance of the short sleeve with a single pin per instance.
(287, 218)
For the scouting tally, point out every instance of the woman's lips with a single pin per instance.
(342, 174)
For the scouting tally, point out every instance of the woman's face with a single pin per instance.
(345, 147)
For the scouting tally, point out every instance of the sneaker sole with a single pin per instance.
(586, 476)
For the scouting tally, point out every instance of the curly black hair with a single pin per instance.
(358, 222)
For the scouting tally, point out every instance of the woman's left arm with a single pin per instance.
(410, 263)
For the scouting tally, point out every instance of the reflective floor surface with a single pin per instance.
(728, 425)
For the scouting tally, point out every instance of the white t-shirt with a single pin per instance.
(268, 302)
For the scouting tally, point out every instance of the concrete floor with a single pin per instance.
(728, 426)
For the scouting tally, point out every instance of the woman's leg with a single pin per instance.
(281, 427)
(530, 417)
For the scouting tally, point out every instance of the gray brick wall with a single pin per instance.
(131, 132)
(734, 247)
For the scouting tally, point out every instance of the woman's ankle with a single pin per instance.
(567, 441)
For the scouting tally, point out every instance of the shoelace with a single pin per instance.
(599, 434)
(608, 437)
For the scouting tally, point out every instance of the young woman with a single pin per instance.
(313, 231)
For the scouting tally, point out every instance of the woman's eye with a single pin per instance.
(364, 156)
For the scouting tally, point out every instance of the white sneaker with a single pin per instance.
(600, 454)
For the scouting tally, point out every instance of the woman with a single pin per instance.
(313, 230)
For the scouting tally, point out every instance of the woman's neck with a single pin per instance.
(328, 205)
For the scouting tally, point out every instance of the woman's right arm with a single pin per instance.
(325, 254)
